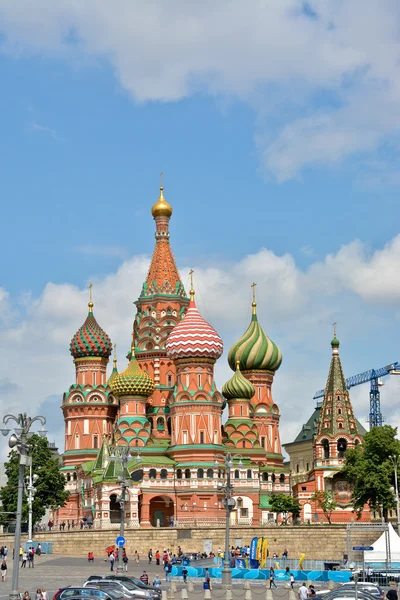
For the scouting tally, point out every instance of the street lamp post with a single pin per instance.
(30, 487)
(394, 460)
(19, 440)
(229, 503)
(122, 453)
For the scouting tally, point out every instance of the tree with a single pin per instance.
(325, 502)
(370, 471)
(280, 503)
(50, 485)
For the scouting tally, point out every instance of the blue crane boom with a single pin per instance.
(373, 375)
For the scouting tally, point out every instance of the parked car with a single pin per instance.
(365, 586)
(346, 594)
(87, 592)
(127, 587)
(124, 578)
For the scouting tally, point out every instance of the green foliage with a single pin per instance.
(370, 471)
(280, 503)
(325, 502)
(49, 485)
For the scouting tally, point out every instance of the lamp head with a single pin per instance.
(13, 441)
(240, 463)
(35, 477)
(5, 431)
(43, 432)
(138, 458)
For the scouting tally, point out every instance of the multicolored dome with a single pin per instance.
(161, 208)
(254, 350)
(90, 339)
(238, 387)
(193, 337)
(133, 381)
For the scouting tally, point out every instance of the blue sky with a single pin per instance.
(275, 130)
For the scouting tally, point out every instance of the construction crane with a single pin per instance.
(374, 376)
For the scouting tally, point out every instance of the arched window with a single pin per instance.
(187, 474)
(152, 474)
(265, 476)
(160, 424)
(95, 442)
(74, 476)
(179, 473)
(68, 476)
(137, 475)
(210, 473)
(244, 444)
(273, 477)
(356, 442)
(281, 478)
(341, 447)
(200, 473)
(163, 474)
(325, 448)
(249, 474)
(169, 380)
(237, 474)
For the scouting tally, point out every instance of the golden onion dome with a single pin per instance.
(161, 208)
(133, 381)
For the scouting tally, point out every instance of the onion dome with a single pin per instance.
(161, 208)
(133, 381)
(335, 342)
(193, 337)
(254, 350)
(114, 372)
(238, 387)
(90, 339)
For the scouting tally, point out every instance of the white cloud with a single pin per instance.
(327, 83)
(296, 308)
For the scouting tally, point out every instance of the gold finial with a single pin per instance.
(133, 346)
(161, 185)
(161, 208)
(334, 329)
(115, 356)
(90, 305)
(191, 285)
(254, 303)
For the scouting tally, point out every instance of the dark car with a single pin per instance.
(87, 592)
(128, 588)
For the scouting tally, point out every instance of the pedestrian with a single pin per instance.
(5, 552)
(27, 596)
(20, 553)
(68, 525)
(157, 581)
(272, 578)
(303, 592)
(39, 549)
(31, 558)
(44, 594)
(157, 555)
(207, 582)
(168, 569)
(184, 574)
(38, 594)
(125, 559)
(392, 594)
(3, 569)
(136, 557)
(144, 578)
(150, 555)
(112, 561)
(24, 559)
(2, 552)
(311, 591)
(291, 577)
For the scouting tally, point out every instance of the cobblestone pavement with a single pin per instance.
(54, 572)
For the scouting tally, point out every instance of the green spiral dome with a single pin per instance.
(238, 387)
(254, 350)
(133, 381)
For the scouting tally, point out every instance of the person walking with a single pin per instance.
(157, 581)
(27, 596)
(207, 582)
(144, 578)
(168, 569)
(184, 574)
(3, 569)
(291, 578)
(136, 557)
(157, 555)
(38, 594)
(150, 555)
(272, 578)
(112, 561)
(392, 594)
(303, 592)
(125, 559)
(31, 558)
(24, 559)
(39, 549)
(44, 594)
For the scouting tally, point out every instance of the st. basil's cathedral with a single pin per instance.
(166, 407)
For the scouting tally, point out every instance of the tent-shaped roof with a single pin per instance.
(378, 554)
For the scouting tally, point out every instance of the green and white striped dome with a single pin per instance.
(254, 350)
(238, 387)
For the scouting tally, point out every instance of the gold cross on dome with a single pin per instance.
(161, 176)
(191, 278)
(334, 328)
(254, 285)
(90, 291)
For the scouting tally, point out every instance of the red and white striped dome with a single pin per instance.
(194, 337)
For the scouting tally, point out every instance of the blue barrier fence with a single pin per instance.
(263, 574)
(47, 547)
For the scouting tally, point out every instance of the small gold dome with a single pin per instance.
(161, 208)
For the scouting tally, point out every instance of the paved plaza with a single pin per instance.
(53, 572)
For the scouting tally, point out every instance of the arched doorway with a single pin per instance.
(162, 510)
(341, 447)
(115, 509)
(307, 513)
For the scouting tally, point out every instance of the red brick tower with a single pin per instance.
(161, 305)
(89, 406)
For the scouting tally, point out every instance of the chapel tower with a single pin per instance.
(89, 407)
(160, 306)
(259, 358)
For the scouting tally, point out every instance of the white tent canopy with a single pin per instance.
(378, 554)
